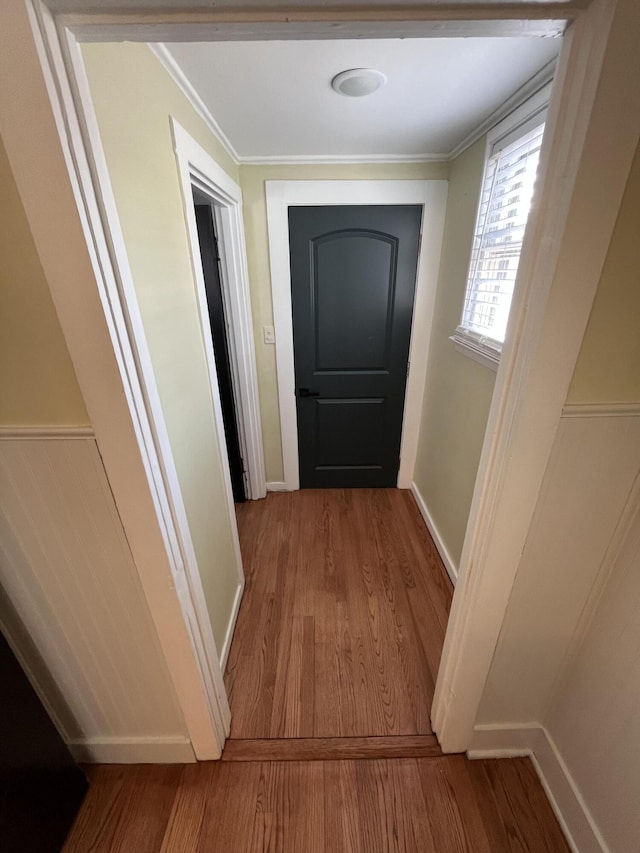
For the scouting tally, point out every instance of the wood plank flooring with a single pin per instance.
(425, 805)
(331, 748)
(343, 618)
(331, 676)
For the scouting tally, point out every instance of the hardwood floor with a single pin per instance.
(331, 748)
(425, 805)
(331, 676)
(343, 618)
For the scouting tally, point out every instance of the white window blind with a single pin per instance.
(502, 217)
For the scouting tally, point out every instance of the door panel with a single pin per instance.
(352, 307)
(353, 271)
(349, 432)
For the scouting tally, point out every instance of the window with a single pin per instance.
(513, 151)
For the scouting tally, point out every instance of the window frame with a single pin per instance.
(531, 113)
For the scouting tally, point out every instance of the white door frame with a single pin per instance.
(565, 247)
(281, 195)
(561, 263)
(80, 137)
(196, 168)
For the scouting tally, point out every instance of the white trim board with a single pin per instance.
(477, 352)
(552, 301)
(539, 80)
(340, 159)
(277, 486)
(197, 169)
(187, 573)
(231, 627)
(568, 804)
(148, 496)
(601, 410)
(281, 195)
(445, 556)
(133, 750)
(11, 433)
(184, 84)
(251, 23)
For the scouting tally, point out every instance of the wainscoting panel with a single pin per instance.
(563, 686)
(72, 604)
(601, 694)
(591, 472)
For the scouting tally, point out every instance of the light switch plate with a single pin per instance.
(269, 334)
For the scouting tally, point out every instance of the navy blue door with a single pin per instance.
(353, 273)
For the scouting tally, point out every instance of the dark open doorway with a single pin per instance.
(210, 256)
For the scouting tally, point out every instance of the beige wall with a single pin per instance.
(37, 379)
(252, 179)
(608, 369)
(458, 390)
(134, 98)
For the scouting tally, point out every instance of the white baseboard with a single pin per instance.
(532, 739)
(505, 741)
(276, 486)
(224, 654)
(447, 559)
(133, 750)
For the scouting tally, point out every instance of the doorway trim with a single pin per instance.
(563, 255)
(196, 168)
(281, 195)
(544, 342)
(195, 665)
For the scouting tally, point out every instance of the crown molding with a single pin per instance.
(181, 80)
(531, 87)
(339, 159)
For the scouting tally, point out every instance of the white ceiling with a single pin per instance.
(273, 99)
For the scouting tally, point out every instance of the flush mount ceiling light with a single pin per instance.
(358, 82)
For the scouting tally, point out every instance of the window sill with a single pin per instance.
(479, 352)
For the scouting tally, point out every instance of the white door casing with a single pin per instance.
(581, 179)
(202, 698)
(197, 168)
(432, 196)
(549, 314)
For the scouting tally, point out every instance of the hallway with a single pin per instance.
(343, 618)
